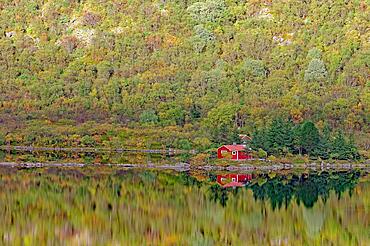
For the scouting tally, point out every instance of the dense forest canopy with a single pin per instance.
(215, 65)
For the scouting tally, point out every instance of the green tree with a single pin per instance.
(316, 71)
(148, 116)
(195, 112)
(259, 140)
(220, 123)
(255, 68)
(342, 148)
(173, 115)
(202, 38)
(308, 137)
(323, 148)
(208, 11)
(280, 136)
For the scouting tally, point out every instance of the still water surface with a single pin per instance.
(112, 206)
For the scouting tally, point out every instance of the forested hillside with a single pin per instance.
(216, 66)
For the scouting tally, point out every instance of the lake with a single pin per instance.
(118, 206)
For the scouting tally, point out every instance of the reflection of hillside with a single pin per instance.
(304, 188)
(140, 207)
(314, 219)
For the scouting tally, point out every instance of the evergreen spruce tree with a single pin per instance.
(259, 140)
(323, 148)
(354, 154)
(297, 139)
(280, 136)
(343, 149)
(309, 137)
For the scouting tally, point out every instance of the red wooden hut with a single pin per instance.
(238, 152)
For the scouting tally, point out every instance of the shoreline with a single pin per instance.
(187, 167)
(94, 150)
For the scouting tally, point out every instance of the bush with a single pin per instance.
(261, 153)
(148, 116)
(88, 141)
(183, 144)
(272, 158)
(301, 160)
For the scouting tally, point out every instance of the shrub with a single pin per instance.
(272, 158)
(261, 153)
(183, 144)
(88, 141)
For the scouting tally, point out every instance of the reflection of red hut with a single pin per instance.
(233, 184)
(238, 152)
(233, 180)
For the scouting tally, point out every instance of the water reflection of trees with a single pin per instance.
(303, 188)
(220, 194)
(109, 205)
(278, 189)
